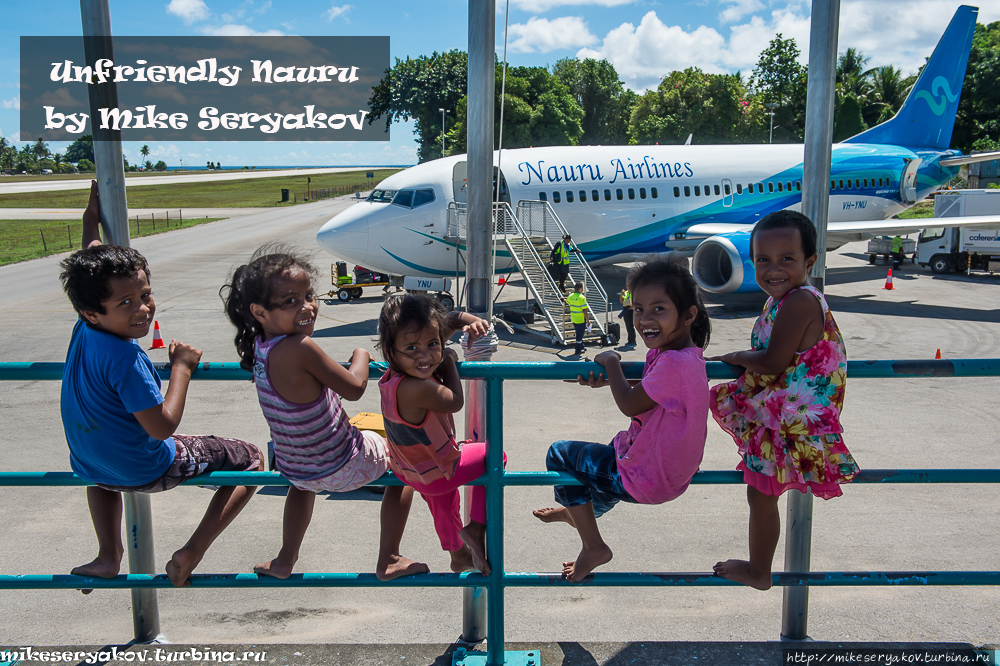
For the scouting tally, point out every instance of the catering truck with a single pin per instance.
(948, 249)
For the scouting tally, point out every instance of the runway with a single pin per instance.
(888, 423)
(83, 183)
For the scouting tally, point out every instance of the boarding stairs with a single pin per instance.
(527, 235)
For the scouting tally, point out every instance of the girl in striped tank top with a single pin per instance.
(271, 302)
(420, 393)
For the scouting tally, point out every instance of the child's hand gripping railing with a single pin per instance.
(496, 479)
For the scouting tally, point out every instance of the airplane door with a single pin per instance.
(459, 182)
(727, 192)
(908, 181)
(504, 192)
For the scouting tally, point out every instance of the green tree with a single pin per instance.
(39, 149)
(85, 165)
(889, 89)
(538, 111)
(81, 149)
(144, 151)
(715, 108)
(847, 119)
(162, 166)
(57, 159)
(977, 111)
(148, 166)
(416, 88)
(606, 102)
(779, 79)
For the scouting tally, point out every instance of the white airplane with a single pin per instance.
(622, 202)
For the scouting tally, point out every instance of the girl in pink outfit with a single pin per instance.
(784, 412)
(654, 460)
(420, 393)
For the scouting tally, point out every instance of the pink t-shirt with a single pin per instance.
(662, 449)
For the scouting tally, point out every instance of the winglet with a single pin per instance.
(927, 117)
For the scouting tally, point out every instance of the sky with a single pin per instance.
(643, 39)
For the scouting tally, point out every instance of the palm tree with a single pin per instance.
(39, 149)
(889, 90)
(57, 159)
(144, 151)
(148, 165)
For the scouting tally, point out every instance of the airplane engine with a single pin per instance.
(722, 264)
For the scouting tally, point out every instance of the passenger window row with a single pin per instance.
(595, 195)
(709, 190)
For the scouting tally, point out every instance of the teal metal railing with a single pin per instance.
(496, 480)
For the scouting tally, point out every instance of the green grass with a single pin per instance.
(243, 193)
(921, 210)
(21, 240)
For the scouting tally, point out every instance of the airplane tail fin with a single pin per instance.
(927, 117)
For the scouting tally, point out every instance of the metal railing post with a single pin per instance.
(139, 545)
(815, 205)
(473, 598)
(494, 520)
(110, 175)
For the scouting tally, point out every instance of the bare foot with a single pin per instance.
(740, 571)
(554, 515)
(180, 566)
(101, 568)
(397, 566)
(588, 560)
(275, 568)
(474, 536)
(461, 560)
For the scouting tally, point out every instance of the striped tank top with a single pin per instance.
(418, 453)
(311, 441)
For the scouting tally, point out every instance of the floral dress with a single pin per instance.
(787, 426)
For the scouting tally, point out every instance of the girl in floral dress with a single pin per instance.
(784, 412)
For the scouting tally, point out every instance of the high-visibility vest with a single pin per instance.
(897, 245)
(626, 299)
(577, 303)
(562, 254)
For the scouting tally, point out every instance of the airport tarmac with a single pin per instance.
(911, 423)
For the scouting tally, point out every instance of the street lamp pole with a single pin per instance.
(443, 112)
(772, 106)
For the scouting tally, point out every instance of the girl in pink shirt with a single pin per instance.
(653, 461)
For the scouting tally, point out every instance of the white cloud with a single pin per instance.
(545, 5)
(737, 9)
(643, 54)
(335, 12)
(237, 30)
(189, 10)
(12, 103)
(544, 35)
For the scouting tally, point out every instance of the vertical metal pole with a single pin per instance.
(474, 598)
(96, 18)
(478, 282)
(494, 524)
(815, 205)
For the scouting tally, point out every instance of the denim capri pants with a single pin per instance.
(596, 466)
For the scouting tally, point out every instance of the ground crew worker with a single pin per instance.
(560, 257)
(625, 297)
(897, 251)
(579, 314)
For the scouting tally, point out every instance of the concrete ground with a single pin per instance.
(908, 423)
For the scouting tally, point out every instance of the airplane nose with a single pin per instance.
(347, 241)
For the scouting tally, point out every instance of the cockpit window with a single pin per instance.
(381, 196)
(421, 197)
(403, 198)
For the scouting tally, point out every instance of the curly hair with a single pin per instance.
(253, 282)
(85, 274)
(403, 310)
(678, 284)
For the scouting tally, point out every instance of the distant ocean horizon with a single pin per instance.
(299, 166)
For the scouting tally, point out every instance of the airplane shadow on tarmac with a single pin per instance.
(354, 329)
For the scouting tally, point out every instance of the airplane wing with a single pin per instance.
(969, 159)
(863, 229)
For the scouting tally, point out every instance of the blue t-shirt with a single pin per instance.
(105, 381)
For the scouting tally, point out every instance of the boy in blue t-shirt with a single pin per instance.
(119, 427)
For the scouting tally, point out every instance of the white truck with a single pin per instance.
(948, 249)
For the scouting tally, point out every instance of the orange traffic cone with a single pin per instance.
(888, 281)
(157, 338)
(938, 355)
